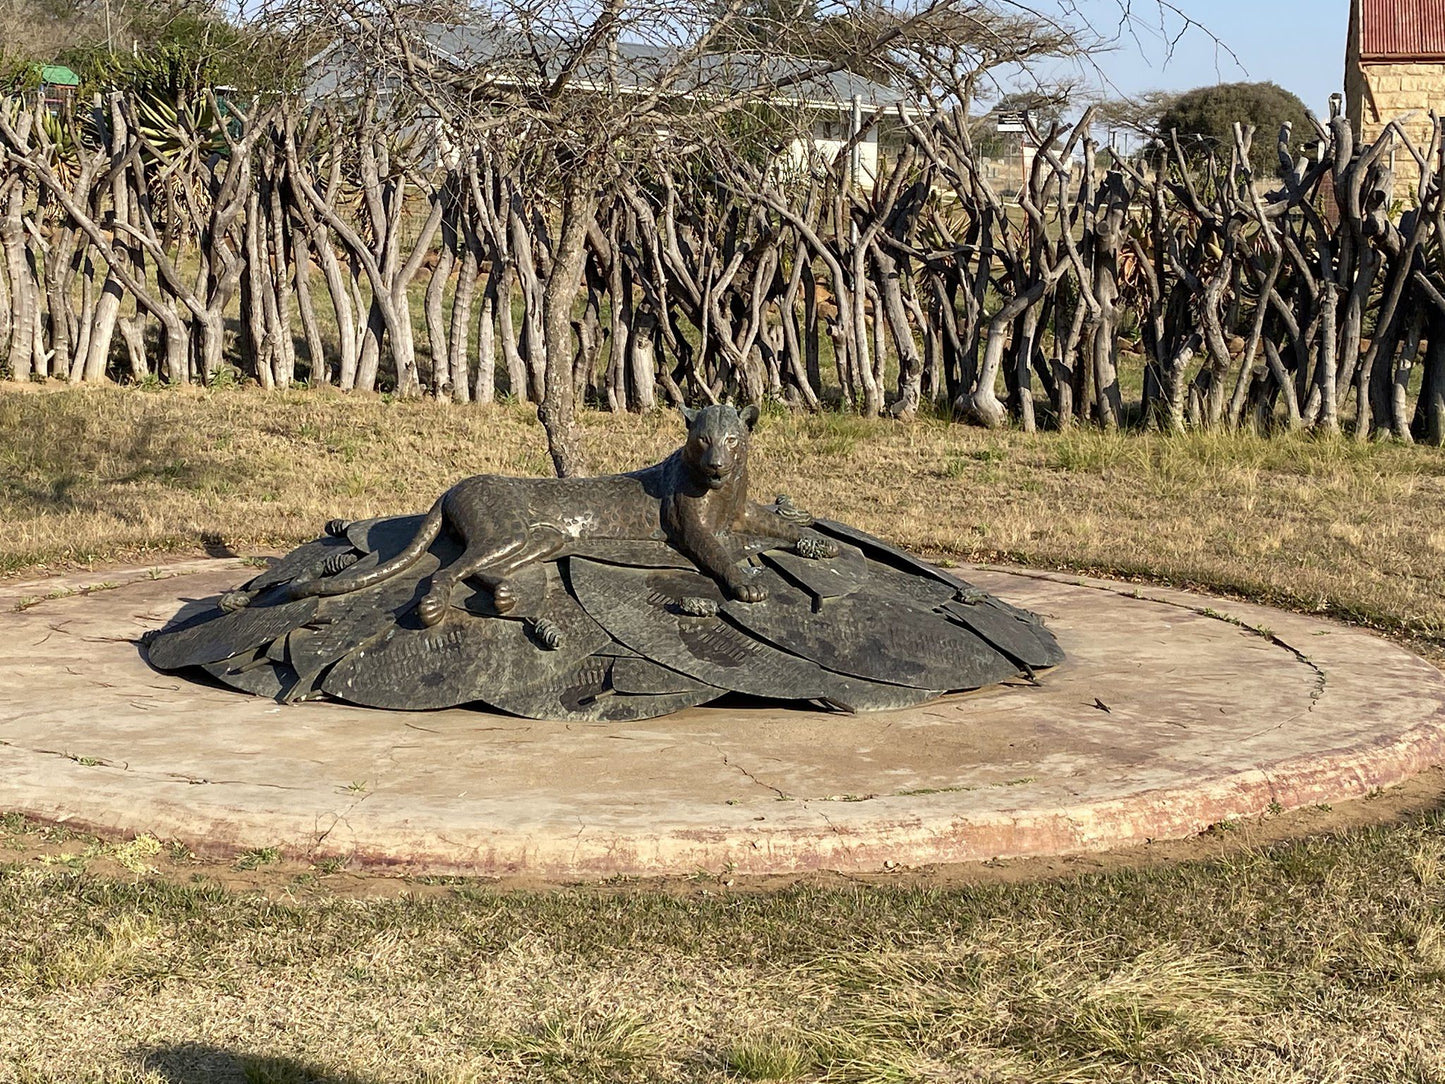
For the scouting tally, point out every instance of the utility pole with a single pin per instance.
(855, 152)
(855, 126)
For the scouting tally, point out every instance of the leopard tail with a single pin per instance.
(339, 585)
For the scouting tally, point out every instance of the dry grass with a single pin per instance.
(1316, 960)
(1330, 526)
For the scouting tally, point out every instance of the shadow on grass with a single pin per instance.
(65, 465)
(201, 1063)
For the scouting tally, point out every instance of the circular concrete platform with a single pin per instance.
(1174, 712)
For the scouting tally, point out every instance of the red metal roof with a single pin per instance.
(1402, 28)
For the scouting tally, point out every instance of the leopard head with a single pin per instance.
(716, 451)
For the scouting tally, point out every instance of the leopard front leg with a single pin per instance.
(745, 589)
(738, 579)
(712, 556)
(759, 519)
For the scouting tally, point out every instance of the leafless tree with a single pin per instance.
(585, 220)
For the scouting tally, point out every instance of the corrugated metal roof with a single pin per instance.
(1402, 28)
(482, 42)
(58, 75)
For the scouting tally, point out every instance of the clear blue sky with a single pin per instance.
(1299, 44)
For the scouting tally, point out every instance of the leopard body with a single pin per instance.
(695, 499)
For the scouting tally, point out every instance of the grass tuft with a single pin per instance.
(260, 856)
(768, 1058)
(121, 950)
(585, 1047)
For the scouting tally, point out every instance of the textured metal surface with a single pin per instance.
(464, 658)
(227, 634)
(586, 693)
(855, 694)
(643, 677)
(828, 577)
(344, 623)
(630, 553)
(925, 592)
(1402, 29)
(878, 550)
(640, 607)
(427, 668)
(304, 561)
(255, 673)
(873, 636)
(627, 709)
(543, 598)
(196, 611)
(751, 546)
(453, 663)
(1024, 640)
(570, 693)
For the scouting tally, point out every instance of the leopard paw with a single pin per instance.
(339, 562)
(504, 598)
(747, 591)
(232, 601)
(432, 608)
(815, 548)
(548, 633)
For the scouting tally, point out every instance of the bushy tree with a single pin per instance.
(1205, 117)
(1138, 115)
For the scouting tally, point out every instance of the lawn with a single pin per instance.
(1304, 947)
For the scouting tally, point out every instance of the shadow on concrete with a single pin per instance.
(201, 1063)
(216, 546)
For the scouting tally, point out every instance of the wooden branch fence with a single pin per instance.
(272, 240)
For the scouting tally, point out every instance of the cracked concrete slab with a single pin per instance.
(1174, 711)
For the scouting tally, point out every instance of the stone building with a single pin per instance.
(1395, 69)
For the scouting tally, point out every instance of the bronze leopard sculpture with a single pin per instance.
(695, 499)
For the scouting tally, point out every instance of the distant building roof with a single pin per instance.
(1402, 29)
(58, 75)
(482, 44)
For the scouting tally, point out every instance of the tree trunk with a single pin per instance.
(557, 411)
(436, 324)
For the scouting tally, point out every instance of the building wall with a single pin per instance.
(1378, 92)
(828, 138)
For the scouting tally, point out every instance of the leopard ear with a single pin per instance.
(749, 414)
(690, 415)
